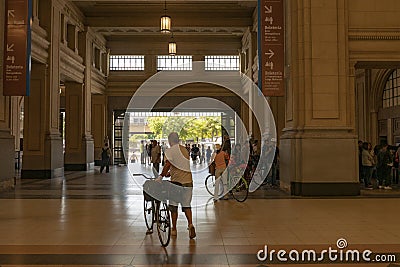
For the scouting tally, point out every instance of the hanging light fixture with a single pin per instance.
(172, 46)
(165, 21)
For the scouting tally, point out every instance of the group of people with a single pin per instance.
(376, 164)
(153, 154)
(249, 155)
(198, 151)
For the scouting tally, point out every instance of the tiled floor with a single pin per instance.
(92, 219)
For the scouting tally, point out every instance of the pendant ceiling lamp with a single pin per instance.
(165, 21)
(172, 47)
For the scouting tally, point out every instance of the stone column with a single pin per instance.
(85, 48)
(99, 127)
(318, 147)
(43, 152)
(277, 104)
(78, 141)
(7, 154)
(6, 139)
(15, 124)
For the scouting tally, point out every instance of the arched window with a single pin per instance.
(391, 93)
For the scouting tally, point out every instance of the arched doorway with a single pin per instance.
(388, 101)
(377, 105)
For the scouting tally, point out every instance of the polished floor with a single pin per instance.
(93, 219)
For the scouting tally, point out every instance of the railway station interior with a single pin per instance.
(340, 78)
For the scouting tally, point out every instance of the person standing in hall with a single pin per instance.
(384, 167)
(163, 148)
(177, 165)
(148, 152)
(142, 154)
(367, 164)
(226, 145)
(373, 172)
(396, 165)
(220, 158)
(194, 153)
(202, 155)
(236, 156)
(275, 167)
(208, 154)
(146, 148)
(155, 157)
(360, 170)
(105, 158)
(247, 150)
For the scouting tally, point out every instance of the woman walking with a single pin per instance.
(220, 157)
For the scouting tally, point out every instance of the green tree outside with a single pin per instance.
(189, 128)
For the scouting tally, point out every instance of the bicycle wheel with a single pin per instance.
(258, 179)
(210, 184)
(163, 223)
(149, 214)
(241, 190)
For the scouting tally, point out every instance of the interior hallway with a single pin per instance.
(92, 219)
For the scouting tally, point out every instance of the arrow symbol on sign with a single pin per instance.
(270, 53)
(268, 9)
(11, 13)
(10, 48)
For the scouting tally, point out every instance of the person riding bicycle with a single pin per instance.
(177, 165)
(220, 157)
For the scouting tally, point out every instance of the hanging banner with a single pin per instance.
(17, 48)
(271, 47)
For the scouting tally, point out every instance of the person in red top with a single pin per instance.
(220, 157)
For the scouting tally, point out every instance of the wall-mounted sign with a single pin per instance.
(271, 49)
(17, 48)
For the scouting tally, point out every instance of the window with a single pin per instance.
(174, 63)
(222, 63)
(126, 62)
(391, 93)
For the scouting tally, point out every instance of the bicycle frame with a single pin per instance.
(159, 213)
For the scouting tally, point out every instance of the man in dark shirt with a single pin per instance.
(384, 167)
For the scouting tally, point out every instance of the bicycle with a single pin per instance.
(157, 211)
(258, 176)
(239, 190)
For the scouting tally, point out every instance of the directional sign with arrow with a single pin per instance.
(17, 12)
(17, 48)
(271, 47)
(11, 13)
(10, 48)
(270, 53)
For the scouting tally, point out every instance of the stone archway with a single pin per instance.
(379, 126)
(388, 118)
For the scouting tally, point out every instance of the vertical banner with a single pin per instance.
(271, 47)
(17, 48)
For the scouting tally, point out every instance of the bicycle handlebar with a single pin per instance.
(142, 174)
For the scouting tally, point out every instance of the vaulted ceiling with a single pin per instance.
(142, 17)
